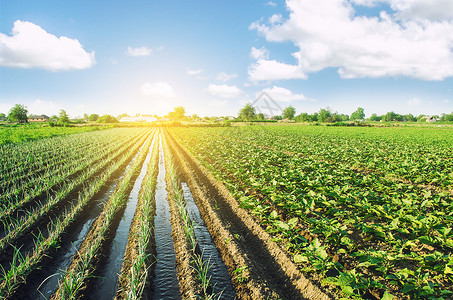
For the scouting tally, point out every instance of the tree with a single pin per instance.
(179, 112)
(247, 112)
(303, 117)
(121, 116)
(289, 112)
(343, 117)
(3, 117)
(324, 114)
(63, 117)
(447, 117)
(410, 118)
(93, 117)
(85, 116)
(375, 117)
(260, 116)
(18, 114)
(107, 119)
(359, 114)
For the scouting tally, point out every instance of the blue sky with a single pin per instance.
(212, 57)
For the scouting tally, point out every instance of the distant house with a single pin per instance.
(429, 119)
(148, 118)
(128, 119)
(38, 118)
(139, 118)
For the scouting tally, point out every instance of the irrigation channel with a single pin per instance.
(153, 224)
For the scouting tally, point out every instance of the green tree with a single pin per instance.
(18, 114)
(359, 114)
(343, 117)
(289, 112)
(324, 115)
(247, 113)
(447, 117)
(93, 117)
(260, 116)
(3, 117)
(63, 117)
(121, 116)
(107, 119)
(179, 112)
(304, 117)
(410, 118)
(375, 117)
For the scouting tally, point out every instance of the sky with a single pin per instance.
(213, 57)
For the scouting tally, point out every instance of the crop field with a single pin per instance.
(363, 212)
(254, 212)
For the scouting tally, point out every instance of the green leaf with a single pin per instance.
(387, 296)
(281, 225)
(299, 258)
(425, 240)
(347, 290)
(274, 214)
(408, 287)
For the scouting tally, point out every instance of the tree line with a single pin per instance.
(19, 114)
(326, 115)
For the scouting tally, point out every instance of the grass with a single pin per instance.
(17, 133)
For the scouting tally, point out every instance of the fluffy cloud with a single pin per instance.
(140, 51)
(415, 9)
(414, 40)
(281, 94)
(224, 91)
(30, 46)
(194, 72)
(265, 69)
(222, 76)
(260, 53)
(158, 90)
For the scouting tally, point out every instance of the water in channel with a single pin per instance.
(106, 285)
(218, 272)
(165, 282)
(62, 261)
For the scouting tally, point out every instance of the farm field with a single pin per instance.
(364, 212)
(29, 132)
(257, 212)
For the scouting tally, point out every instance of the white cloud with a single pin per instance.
(140, 51)
(158, 90)
(281, 94)
(30, 46)
(423, 9)
(261, 53)
(222, 76)
(277, 18)
(194, 72)
(273, 70)
(224, 91)
(329, 34)
(414, 102)
(271, 3)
